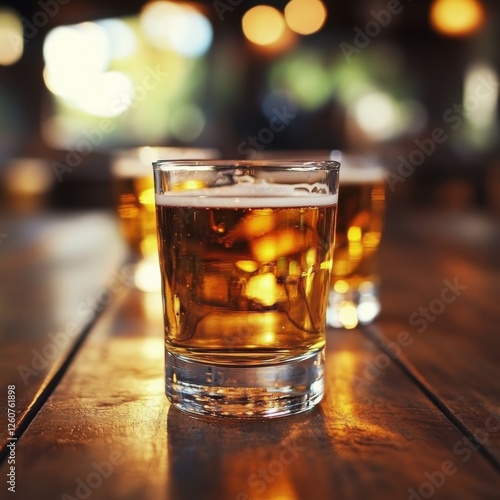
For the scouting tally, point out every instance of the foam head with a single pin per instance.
(251, 196)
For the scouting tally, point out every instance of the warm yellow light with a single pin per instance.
(354, 234)
(326, 265)
(189, 184)
(193, 184)
(264, 289)
(147, 197)
(149, 247)
(267, 338)
(305, 16)
(277, 244)
(249, 266)
(348, 315)
(263, 25)
(255, 224)
(11, 37)
(457, 17)
(341, 286)
(371, 239)
(147, 275)
(28, 177)
(311, 257)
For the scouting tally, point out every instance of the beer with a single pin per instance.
(134, 189)
(245, 281)
(245, 251)
(136, 210)
(359, 230)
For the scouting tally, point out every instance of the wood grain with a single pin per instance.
(56, 273)
(374, 436)
(455, 346)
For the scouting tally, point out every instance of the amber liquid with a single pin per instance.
(136, 209)
(245, 285)
(359, 229)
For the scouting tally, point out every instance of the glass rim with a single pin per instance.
(297, 165)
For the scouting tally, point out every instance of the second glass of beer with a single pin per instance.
(246, 251)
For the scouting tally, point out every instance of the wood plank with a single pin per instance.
(55, 275)
(370, 438)
(455, 346)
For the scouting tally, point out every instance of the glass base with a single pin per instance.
(246, 391)
(356, 305)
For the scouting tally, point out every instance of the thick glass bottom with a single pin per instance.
(268, 391)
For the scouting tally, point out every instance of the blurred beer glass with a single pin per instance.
(245, 254)
(134, 191)
(355, 282)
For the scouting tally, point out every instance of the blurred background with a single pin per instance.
(414, 82)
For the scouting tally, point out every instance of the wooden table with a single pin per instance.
(412, 407)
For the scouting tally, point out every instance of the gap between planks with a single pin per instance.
(373, 334)
(49, 387)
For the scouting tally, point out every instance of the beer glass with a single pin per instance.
(246, 251)
(134, 191)
(354, 294)
(133, 183)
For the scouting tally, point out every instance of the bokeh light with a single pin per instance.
(348, 315)
(263, 25)
(304, 77)
(147, 274)
(11, 37)
(28, 177)
(108, 94)
(73, 55)
(187, 122)
(457, 17)
(480, 99)
(122, 40)
(177, 27)
(376, 114)
(305, 16)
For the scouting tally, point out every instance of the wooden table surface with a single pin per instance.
(412, 405)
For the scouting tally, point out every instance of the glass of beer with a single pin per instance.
(354, 294)
(246, 251)
(134, 191)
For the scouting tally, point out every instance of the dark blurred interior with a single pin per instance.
(414, 82)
